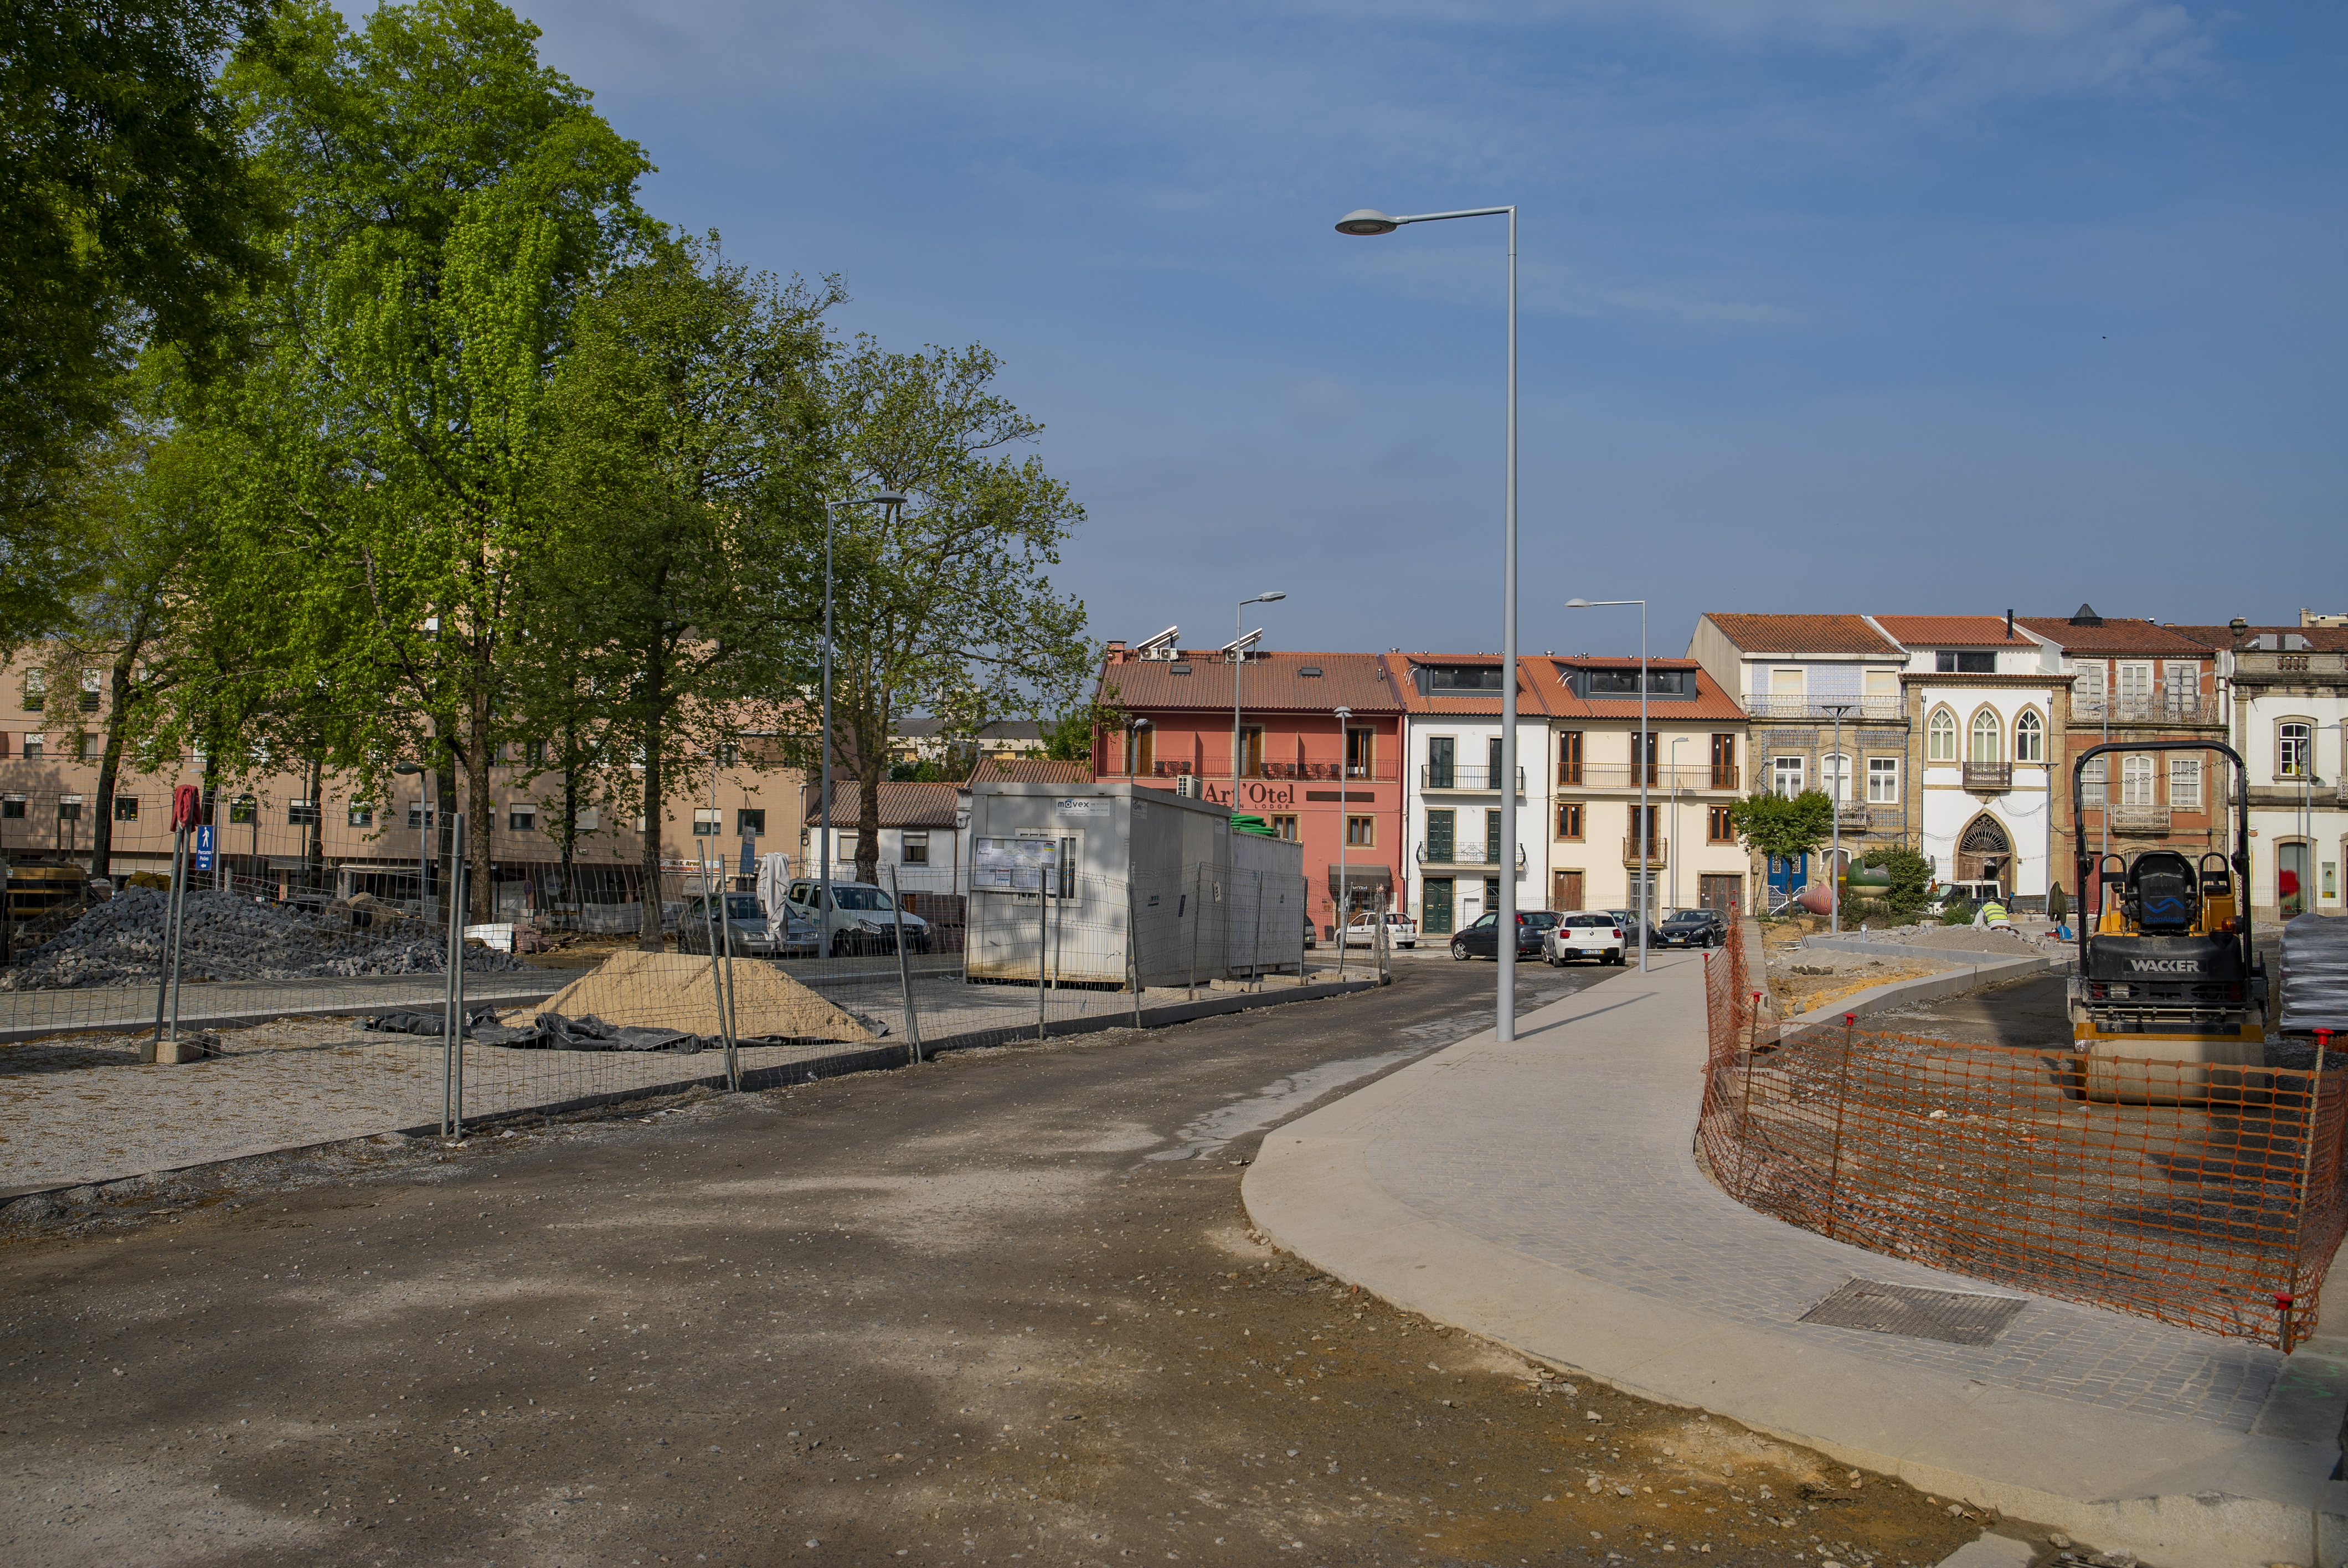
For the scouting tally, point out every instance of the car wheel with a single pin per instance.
(1459, 950)
(1614, 956)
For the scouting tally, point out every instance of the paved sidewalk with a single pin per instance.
(1545, 1194)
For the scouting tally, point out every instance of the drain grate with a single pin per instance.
(1903, 1310)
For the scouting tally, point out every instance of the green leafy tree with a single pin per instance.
(448, 199)
(127, 217)
(683, 459)
(1910, 877)
(1785, 826)
(943, 605)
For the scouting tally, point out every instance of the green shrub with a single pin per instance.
(1911, 877)
(1957, 913)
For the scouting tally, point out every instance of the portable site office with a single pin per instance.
(1204, 903)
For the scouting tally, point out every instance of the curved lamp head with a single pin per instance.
(1268, 598)
(1344, 715)
(405, 768)
(1577, 604)
(1366, 220)
(885, 498)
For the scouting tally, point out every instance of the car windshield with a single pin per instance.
(860, 899)
(1538, 918)
(742, 907)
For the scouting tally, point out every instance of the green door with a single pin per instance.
(1437, 904)
(1495, 852)
(1439, 836)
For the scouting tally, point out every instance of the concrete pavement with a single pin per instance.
(1544, 1194)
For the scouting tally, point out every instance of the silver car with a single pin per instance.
(751, 933)
(862, 918)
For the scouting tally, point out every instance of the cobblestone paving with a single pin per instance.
(1571, 1145)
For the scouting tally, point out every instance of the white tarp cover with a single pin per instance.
(2314, 974)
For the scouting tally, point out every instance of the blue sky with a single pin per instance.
(1827, 304)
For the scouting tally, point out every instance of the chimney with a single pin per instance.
(2009, 625)
(1116, 649)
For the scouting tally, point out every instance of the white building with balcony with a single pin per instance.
(2285, 690)
(1452, 783)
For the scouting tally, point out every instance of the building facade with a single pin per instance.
(2286, 699)
(1692, 763)
(1826, 710)
(1454, 778)
(2131, 681)
(1982, 716)
(1320, 752)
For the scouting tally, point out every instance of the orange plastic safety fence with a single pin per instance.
(2204, 1195)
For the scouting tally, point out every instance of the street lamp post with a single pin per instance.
(885, 499)
(1643, 835)
(1239, 663)
(1842, 783)
(1344, 887)
(1672, 836)
(1367, 222)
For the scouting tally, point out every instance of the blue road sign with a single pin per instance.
(204, 849)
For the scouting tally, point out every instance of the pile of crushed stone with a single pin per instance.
(229, 937)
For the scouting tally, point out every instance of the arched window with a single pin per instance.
(1833, 770)
(2136, 781)
(2029, 738)
(1987, 735)
(1940, 737)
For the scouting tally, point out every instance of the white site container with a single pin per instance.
(1130, 860)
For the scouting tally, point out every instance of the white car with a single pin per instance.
(1584, 934)
(1402, 931)
(862, 919)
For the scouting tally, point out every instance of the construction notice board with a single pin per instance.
(1012, 864)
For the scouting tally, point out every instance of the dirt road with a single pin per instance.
(1003, 1308)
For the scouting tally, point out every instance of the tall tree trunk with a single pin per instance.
(314, 847)
(571, 819)
(872, 767)
(648, 930)
(479, 810)
(119, 695)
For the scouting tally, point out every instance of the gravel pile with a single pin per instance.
(121, 942)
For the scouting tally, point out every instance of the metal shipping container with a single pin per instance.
(1205, 902)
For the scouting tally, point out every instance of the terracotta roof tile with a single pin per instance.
(2325, 638)
(1275, 683)
(1802, 633)
(901, 804)
(2113, 636)
(1710, 703)
(1030, 770)
(1945, 630)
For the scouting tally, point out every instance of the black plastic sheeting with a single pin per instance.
(552, 1032)
(2314, 974)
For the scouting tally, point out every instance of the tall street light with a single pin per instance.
(1365, 222)
(1841, 788)
(1642, 758)
(1239, 662)
(884, 500)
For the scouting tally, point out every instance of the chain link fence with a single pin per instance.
(2208, 1196)
(279, 1044)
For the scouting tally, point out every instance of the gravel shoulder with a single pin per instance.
(1002, 1306)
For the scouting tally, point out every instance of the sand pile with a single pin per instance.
(674, 990)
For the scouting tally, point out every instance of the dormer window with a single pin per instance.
(1434, 677)
(1965, 661)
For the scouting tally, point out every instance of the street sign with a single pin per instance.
(203, 850)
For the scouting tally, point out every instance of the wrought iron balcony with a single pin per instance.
(1465, 855)
(1851, 813)
(1989, 776)
(1480, 781)
(2162, 710)
(1625, 775)
(1658, 851)
(1380, 772)
(1761, 706)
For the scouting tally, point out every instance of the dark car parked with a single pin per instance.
(1694, 929)
(1482, 939)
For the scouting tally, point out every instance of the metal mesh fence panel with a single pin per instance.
(2203, 1195)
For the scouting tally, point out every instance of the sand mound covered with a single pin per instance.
(674, 990)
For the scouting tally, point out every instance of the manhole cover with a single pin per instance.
(1947, 1314)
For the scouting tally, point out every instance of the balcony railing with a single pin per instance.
(1851, 813)
(1658, 851)
(1465, 855)
(2256, 663)
(1763, 706)
(2146, 709)
(1989, 775)
(1435, 776)
(1625, 775)
(1332, 772)
(2146, 821)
